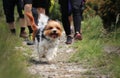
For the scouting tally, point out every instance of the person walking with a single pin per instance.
(8, 7)
(35, 7)
(76, 9)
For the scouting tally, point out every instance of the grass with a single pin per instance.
(12, 62)
(90, 49)
(9, 58)
(90, 44)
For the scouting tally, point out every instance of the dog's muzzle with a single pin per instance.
(54, 34)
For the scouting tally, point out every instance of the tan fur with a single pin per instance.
(51, 27)
(33, 25)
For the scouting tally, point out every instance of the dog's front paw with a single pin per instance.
(51, 62)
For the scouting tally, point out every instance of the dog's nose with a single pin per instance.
(54, 31)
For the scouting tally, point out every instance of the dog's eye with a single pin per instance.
(50, 28)
(58, 28)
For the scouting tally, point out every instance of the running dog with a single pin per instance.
(48, 38)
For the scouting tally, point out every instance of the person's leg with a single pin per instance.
(8, 7)
(27, 9)
(23, 33)
(22, 19)
(70, 16)
(35, 15)
(76, 9)
(65, 20)
(12, 27)
(71, 24)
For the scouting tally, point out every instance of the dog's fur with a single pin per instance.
(50, 38)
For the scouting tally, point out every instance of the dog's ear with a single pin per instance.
(61, 27)
(49, 20)
(60, 24)
(45, 27)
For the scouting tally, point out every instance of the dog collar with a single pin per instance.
(45, 38)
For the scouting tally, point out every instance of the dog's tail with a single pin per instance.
(33, 25)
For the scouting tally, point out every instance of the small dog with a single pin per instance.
(48, 38)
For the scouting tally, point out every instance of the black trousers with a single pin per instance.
(76, 7)
(35, 15)
(39, 3)
(9, 6)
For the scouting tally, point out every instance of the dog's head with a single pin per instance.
(53, 30)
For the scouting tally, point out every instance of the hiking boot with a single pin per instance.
(23, 35)
(30, 43)
(69, 40)
(78, 36)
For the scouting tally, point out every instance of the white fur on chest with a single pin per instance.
(48, 49)
(50, 32)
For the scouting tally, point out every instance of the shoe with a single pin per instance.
(78, 36)
(30, 41)
(69, 40)
(23, 35)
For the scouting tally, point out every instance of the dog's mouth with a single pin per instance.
(54, 35)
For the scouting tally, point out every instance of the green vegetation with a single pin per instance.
(91, 49)
(108, 10)
(12, 61)
(55, 11)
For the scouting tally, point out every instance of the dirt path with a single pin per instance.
(61, 68)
